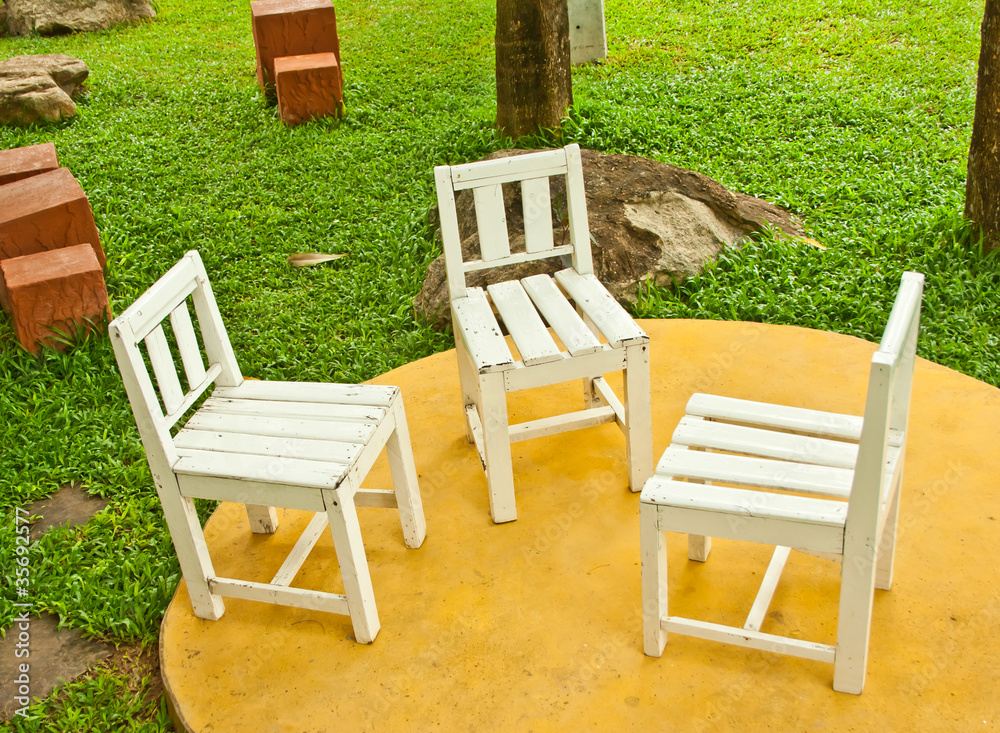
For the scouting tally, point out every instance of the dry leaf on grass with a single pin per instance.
(303, 259)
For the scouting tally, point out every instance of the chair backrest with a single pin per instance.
(486, 179)
(879, 465)
(162, 309)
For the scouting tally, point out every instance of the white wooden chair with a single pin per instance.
(487, 368)
(844, 472)
(264, 444)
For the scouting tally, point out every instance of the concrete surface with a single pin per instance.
(535, 625)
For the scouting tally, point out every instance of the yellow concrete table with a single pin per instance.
(536, 626)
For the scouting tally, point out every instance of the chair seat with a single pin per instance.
(771, 447)
(316, 432)
(526, 306)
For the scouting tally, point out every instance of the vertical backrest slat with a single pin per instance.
(576, 201)
(163, 367)
(491, 218)
(536, 202)
(187, 344)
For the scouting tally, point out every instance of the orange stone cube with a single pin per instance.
(43, 212)
(51, 292)
(18, 163)
(308, 87)
(291, 28)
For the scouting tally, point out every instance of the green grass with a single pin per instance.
(855, 115)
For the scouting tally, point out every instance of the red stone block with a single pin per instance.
(291, 28)
(18, 163)
(308, 87)
(53, 291)
(43, 212)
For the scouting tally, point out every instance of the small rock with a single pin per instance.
(52, 17)
(40, 88)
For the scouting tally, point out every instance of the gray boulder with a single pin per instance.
(51, 17)
(39, 88)
(647, 220)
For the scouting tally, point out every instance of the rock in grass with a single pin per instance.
(53, 17)
(39, 88)
(647, 220)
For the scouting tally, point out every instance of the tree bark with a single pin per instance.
(534, 83)
(982, 186)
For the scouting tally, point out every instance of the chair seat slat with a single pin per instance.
(698, 433)
(523, 323)
(478, 326)
(330, 451)
(601, 307)
(763, 414)
(305, 392)
(305, 410)
(266, 469)
(346, 432)
(742, 470)
(744, 503)
(559, 312)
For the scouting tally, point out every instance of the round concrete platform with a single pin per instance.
(535, 625)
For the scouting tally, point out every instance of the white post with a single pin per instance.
(587, 37)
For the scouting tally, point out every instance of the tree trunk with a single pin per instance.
(982, 186)
(534, 85)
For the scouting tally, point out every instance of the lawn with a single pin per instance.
(855, 115)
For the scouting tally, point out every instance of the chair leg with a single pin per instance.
(263, 519)
(654, 580)
(192, 553)
(857, 592)
(699, 547)
(350, 550)
(496, 445)
(887, 544)
(638, 416)
(591, 397)
(470, 384)
(404, 478)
